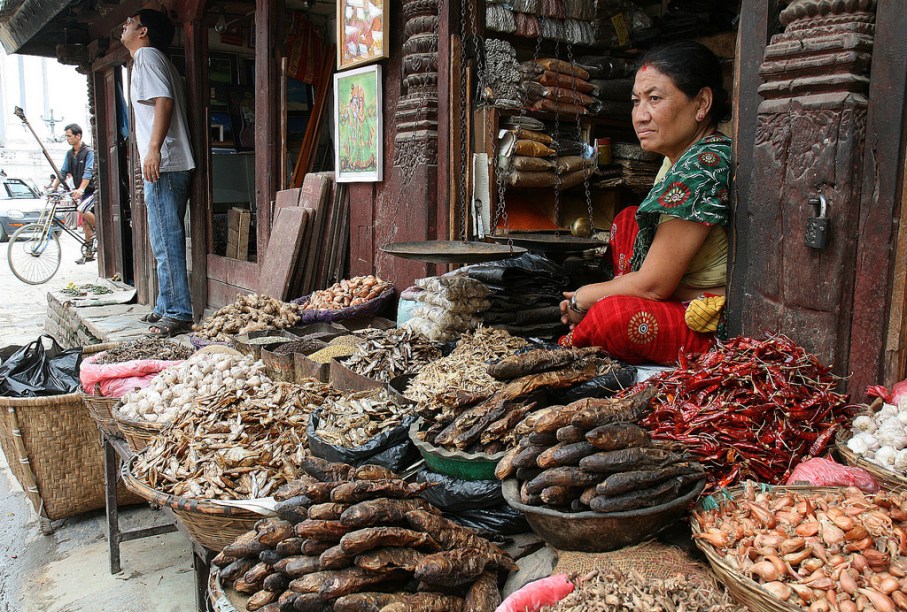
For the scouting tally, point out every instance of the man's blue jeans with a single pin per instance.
(166, 203)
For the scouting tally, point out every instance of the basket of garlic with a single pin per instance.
(142, 414)
(877, 442)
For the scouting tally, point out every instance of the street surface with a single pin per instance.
(68, 571)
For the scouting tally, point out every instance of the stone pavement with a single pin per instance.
(68, 571)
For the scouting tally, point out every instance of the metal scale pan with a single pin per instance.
(550, 242)
(452, 251)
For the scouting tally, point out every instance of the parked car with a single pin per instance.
(20, 204)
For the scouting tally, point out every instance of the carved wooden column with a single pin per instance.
(809, 142)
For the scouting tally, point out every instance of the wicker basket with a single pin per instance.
(887, 479)
(221, 598)
(138, 434)
(211, 525)
(51, 445)
(100, 407)
(743, 588)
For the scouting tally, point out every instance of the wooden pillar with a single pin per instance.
(810, 133)
(196, 36)
(268, 16)
(108, 207)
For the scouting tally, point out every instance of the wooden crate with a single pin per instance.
(239, 221)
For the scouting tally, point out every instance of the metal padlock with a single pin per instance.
(818, 228)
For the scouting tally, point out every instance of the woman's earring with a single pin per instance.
(699, 116)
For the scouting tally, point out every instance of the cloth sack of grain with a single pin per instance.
(566, 81)
(499, 18)
(431, 330)
(556, 65)
(532, 148)
(463, 306)
(454, 287)
(532, 164)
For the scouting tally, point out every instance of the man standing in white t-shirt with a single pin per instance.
(162, 137)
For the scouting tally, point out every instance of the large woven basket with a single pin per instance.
(744, 589)
(211, 525)
(52, 447)
(887, 478)
(99, 407)
(138, 434)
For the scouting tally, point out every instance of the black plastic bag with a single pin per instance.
(501, 519)
(35, 371)
(391, 449)
(599, 387)
(454, 494)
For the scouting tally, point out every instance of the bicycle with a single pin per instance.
(34, 251)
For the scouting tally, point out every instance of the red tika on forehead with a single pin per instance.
(643, 67)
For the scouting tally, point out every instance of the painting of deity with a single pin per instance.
(358, 125)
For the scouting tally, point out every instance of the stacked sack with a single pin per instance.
(557, 86)
(447, 306)
(526, 293)
(570, 21)
(612, 78)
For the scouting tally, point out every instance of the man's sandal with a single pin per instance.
(167, 328)
(151, 317)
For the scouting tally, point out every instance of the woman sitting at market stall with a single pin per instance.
(672, 248)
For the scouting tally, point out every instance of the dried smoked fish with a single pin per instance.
(564, 454)
(276, 583)
(527, 457)
(542, 439)
(373, 472)
(295, 487)
(325, 471)
(618, 435)
(624, 459)
(289, 547)
(530, 499)
(257, 573)
(273, 530)
(505, 424)
(528, 473)
(505, 466)
(236, 569)
(595, 412)
(570, 434)
(421, 602)
(564, 477)
(384, 559)
(320, 492)
(294, 509)
(297, 566)
(451, 568)
(352, 579)
(260, 600)
(559, 496)
(270, 556)
(378, 537)
(635, 480)
(222, 560)
(483, 595)
(538, 360)
(382, 511)
(558, 417)
(327, 512)
(449, 534)
(314, 547)
(361, 490)
(334, 558)
(246, 545)
(659, 494)
(323, 531)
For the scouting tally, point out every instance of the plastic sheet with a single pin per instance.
(821, 472)
(118, 379)
(391, 449)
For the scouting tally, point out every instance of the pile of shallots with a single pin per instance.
(828, 549)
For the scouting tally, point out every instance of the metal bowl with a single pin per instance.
(599, 531)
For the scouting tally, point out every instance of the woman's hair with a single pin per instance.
(160, 28)
(692, 66)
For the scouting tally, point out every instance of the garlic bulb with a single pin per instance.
(886, 456)
(865, 423)
(858, 445)
(900, 461)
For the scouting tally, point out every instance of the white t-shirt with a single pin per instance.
(154, 76)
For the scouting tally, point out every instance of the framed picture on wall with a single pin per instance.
(360, 32)
(358, 125)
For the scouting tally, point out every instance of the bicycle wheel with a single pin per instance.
(34, 257)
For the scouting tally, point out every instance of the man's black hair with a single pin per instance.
(75, 128)
(160, 28)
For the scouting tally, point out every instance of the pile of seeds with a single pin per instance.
(613, 590)
(329, 352)
(296, 346)
(269, 340)
(352, 420)
(240, 444)
(465, 368)
(386, 354)
(146, 348)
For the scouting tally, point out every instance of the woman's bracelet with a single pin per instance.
(574, 306)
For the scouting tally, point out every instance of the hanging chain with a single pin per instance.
(463, 217)
(579, 137)
(558, 179)
(414, 156)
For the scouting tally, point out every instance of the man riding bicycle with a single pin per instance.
(79, 164)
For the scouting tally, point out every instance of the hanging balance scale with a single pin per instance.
(462, 251)
(552, 241)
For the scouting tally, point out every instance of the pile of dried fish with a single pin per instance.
(485, 421)
(613, 591)
(248, 313)
(240, 444)
(352, 292)
(831, 549)
(465, 369)
(386, 354)
(146, 348)
(590, 455)
(174, 390)
(352, 539)
(352, 420)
